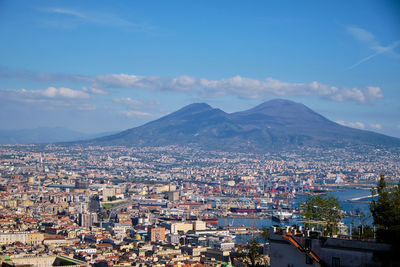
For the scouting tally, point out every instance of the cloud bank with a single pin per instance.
(360, 125)
(52, 97)
(357, 124)
(376, 126)
(239, 86)
(48, 93)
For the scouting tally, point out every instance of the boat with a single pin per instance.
(282, 216)
(318, 191)
(213, 221)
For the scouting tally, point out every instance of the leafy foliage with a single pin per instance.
(385, 211)
(265, 234)
(322, 210)
(363, 232)
(252, 253)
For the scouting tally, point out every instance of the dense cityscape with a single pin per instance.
(206, 133)
(164, 205)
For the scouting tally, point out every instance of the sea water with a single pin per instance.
(342, 195)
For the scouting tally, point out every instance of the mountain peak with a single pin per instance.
(197, 106)
(192, 109)
(280, 108)
(279, 103)
(272, 125)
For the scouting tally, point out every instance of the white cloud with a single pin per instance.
(370, 40)
(127, 101)
(73, 18)
(51, 96)
(69, 93)
(86, 106)
(376, 126)
(358, 125)
(66, 11)
(93, 90)
(133, 106)
(135, 113)
(51, 92)
(239, 86)
(360, 34)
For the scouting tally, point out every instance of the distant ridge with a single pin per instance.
(44, 135)
(274, 125)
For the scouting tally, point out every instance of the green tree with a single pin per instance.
(363, 230)
(252, 253)
(324, 211)
(113, 198)
(265, 234)
(385, 211)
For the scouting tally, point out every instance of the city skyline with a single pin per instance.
(96, 67)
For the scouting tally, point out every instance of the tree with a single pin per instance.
(265, 234)
(113, 198)
(322, 210)
(363, 230)
(252, 253)
(385, 211)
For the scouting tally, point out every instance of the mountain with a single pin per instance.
(273, 125)
(44, 135)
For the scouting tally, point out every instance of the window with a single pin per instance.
(335, 262)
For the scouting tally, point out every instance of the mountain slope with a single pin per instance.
(196, 123)
(273, 125)
(287, 123)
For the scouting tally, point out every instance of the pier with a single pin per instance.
(357, 199)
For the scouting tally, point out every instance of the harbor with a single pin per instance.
(355, 212)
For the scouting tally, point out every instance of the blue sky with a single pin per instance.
(96, 66)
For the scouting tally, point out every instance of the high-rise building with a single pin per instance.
(94, 204)
(156, 234)
(173, 196)
(82, 207)
(87, 219)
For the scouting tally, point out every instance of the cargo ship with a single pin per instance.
(282, 216)
(213, 221)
